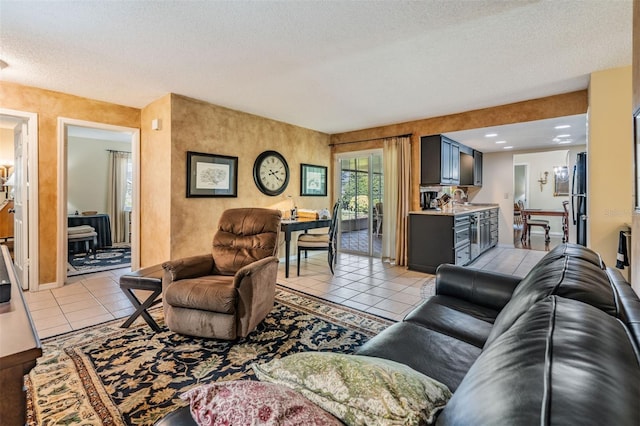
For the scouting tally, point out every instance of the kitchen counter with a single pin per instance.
(459, 209)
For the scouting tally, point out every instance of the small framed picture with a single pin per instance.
(211, 175)
(313, 180)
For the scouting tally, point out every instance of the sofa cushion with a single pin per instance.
(246, 402)
(568, 276)
(437, 355)
(562, 362)
(359, 390)
(212, 293)
(456, 318)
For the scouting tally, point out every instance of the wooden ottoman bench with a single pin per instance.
(150, 279)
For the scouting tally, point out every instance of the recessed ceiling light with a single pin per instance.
(564, 142)
(507, 147)
(563, 126)
(563, 136)
(501, 141)
(490, 135)
(556, 139)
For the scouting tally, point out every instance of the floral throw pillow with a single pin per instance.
(359, 390)
(253, 403)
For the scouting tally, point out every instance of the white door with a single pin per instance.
(21, 205)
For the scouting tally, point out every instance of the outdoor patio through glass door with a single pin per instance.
(360, 193)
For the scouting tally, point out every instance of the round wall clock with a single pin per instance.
(271, 173)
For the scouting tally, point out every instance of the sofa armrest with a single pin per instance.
(188, 267)
(489, 289)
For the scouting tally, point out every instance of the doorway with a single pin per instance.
(121, 225)
(360, 191)
(19, 152)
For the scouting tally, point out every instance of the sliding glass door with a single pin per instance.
(360, 189)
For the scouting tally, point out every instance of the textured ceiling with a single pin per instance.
(331, 66)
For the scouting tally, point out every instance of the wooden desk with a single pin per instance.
(19, 348)
(526, 213)
(288, 226)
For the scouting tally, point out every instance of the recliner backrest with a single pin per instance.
(245, 235)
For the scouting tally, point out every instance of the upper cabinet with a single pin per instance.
(477, 168)
(439, 161)
(444, 161)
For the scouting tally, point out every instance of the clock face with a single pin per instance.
(271, 173)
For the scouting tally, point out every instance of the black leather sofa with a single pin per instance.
(558, 347)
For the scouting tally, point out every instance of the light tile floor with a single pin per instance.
(359, 282)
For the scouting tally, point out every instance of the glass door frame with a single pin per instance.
(370, 153)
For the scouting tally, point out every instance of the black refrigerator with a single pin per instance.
(579, 198)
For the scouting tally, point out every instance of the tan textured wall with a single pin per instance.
(155, 183)
(535, 109)
(202, 127)
(49, 106)
(609, 162)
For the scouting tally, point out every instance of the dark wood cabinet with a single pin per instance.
(444, 161)
(439, 161)
(437, 239)
(477, 168)
(19, 348)
(459, 239)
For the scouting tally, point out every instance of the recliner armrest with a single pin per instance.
(252, 269)
(188, 267)
(489, 289)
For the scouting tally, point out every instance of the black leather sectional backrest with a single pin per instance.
(569, 271)
(562, 362)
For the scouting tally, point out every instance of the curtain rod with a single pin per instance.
(372, 139)
(114, 150)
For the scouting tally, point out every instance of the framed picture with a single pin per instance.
(313, 180)
(561, 181)
(210, 175)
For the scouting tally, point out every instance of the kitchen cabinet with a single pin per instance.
(477, 168)
(444, 161)
(439, 237)
(439, 161)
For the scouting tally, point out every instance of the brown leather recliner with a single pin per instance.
(227, 293)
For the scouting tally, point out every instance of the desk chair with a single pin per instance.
(321, 241)
(544, 224)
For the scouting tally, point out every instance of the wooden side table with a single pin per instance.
(19, 348)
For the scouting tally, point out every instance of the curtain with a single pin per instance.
(116, 194)
(397, 171)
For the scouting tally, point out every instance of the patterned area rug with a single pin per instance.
(428, 288)
(106, 375)
(106, 258)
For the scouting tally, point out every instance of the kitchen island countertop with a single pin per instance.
(459, 209)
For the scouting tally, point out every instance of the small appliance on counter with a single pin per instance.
(429, 200)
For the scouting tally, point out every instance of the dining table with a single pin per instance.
(527, 213)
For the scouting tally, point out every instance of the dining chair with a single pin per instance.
(543, 223)
(565, 222)
(378, 217)
(326, 241)
(517, 216)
